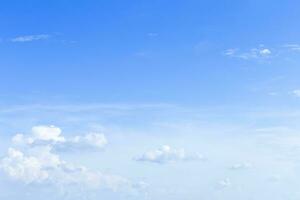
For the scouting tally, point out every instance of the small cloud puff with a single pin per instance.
(52, 135)
(166, 154)
(264, 52)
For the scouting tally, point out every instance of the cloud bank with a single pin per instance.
(33, 160)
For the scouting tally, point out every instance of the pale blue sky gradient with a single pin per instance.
(219, 79)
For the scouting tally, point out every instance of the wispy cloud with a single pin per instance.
(253, 53)
(30, 38)
(262, 52)
(292, 47)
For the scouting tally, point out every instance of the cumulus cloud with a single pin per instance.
(52, 135)
(30, 38)
(93, 140)
(41, 164)
(167, 154)
(47, 133)
(254, 53)
(25, 168)
(264, 52)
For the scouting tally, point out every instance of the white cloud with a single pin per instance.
(47, 133)
(166, 154)
(254, 53)
(25, 168)
(30, 38)
(42, 166)
(264, 52)
(39, 164)
(41, 135)
(18, 139)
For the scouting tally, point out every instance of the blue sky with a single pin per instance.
(149, 99)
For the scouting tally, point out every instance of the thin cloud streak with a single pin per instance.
(30, 38)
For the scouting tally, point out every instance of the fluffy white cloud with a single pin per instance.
(96, 140)
(50, 134)
(166, 154)
(40, 164)
(19, 139)
(47, 133)
(30, 38)
(41, 135)
(264, 52)
(25, 168)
